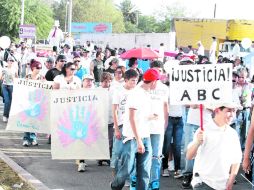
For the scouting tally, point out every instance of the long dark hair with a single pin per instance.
(67, 65)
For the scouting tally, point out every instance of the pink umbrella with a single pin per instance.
(140, 53)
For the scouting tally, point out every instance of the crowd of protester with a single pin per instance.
(145, 131)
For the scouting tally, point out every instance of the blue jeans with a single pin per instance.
(174, 131)
(116, 151)
(245, 113)
(189, 131)
(7, 94)
(156, 142)
(143, 165)
(30, 137)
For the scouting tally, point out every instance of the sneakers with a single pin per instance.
(186, 184)
(5, 119)
(178, 174)
(99, 162)
(26, 143)
(81, 167)
(35, 143)
(165, 173)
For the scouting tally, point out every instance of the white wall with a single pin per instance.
(131, 40)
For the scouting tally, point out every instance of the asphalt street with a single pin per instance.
(62, 174)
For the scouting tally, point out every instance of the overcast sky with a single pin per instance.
(226, 9)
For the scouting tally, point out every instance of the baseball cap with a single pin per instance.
(151, 75)
(87, 76)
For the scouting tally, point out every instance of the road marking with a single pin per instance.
(26, 150)
(30, 156)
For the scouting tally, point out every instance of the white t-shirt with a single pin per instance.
(74, 84)
(110, 113)
(159, 96)
(117, 84)
(175, 110)
(120, 97)
(237, 92)
(220, 149)
(140, 100)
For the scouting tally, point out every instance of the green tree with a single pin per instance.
(129, 11)
(35, 13)
(40, 15)
(92, 11)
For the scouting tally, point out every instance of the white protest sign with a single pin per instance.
(200, 84)
(30, 106)
(79, 124)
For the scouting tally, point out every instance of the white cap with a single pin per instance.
(87, 76)
(232, 105)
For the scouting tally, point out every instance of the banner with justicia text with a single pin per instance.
(200, 84)
(79, 124)
(30, 106)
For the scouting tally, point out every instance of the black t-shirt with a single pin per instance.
(98, 70)
(51, 74)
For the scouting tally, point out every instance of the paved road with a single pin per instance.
(62, 174)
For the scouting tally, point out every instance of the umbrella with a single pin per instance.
(140, 53)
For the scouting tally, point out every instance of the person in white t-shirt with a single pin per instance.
(120, 97)
(136, 133)
(159, 98)
(67, 80)
(216, 150)
(201, 49)
(106, 80)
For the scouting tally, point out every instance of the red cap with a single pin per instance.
(151, 75)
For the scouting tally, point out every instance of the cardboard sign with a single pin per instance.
(200, 84)
(30, 106)
(79, 124)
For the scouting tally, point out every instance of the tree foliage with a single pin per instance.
(40, 15)
(91, 11)
(36, 13)
(129, 11)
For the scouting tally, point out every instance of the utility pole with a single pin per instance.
(214, 13)
(66, 16)
(70, 16)
(22, 11)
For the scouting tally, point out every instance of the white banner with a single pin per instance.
(200, 84)
(30, 106)
(79, 124)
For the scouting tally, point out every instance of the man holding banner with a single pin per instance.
(217, 151)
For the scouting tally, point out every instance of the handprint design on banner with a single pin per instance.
(78, 123)
(37, 106)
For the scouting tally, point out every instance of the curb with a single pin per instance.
(23, 174)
